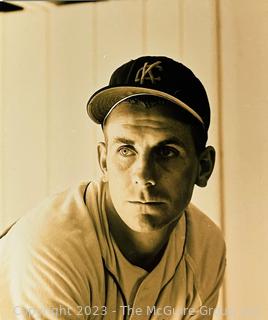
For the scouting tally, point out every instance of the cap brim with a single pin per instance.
(105, 100)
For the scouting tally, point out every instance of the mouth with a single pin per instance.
(147, 203)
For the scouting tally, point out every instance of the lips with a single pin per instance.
(147, 203)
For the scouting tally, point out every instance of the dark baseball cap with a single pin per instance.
(157, 76)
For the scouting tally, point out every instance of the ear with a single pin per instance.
(206, 166)
(102, 158)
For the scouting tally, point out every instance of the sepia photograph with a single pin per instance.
(133, 149)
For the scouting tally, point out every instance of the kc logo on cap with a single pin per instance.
(157, 76)
(148, 72)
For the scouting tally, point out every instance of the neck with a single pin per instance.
(143, 249)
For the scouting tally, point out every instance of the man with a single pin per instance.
(130, 246)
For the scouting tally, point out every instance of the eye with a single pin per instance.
(125, 151)
(167, 152)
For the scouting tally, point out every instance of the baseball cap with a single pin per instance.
(157, 76)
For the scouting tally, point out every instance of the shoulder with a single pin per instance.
(60, 223)
(63, 209)
(205, 250)
(56, 248)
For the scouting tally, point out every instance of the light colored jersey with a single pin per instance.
(60, 262)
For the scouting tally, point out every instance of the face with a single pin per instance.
(150, 164)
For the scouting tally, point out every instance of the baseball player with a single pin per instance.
(130, 246)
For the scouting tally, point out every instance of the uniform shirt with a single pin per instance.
(60, 261)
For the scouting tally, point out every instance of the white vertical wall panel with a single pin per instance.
(72, 137)
(162, 27)
(199, 52)
(245, 118)
(1, 123)
(119, 36)
(23, 112)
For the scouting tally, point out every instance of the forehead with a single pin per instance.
(159, 120)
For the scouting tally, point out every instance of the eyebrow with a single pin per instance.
(117, 140)
(171, 140)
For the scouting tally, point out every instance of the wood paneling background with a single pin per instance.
(52, 58)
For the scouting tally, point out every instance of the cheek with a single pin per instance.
(118, 169)
(119, 182)
(180, 172)
(189, 174)
(180, 181)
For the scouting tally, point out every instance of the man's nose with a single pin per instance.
(144, 172)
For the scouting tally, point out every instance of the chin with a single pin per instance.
(146, 223)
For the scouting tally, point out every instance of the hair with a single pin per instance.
(199, 133)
